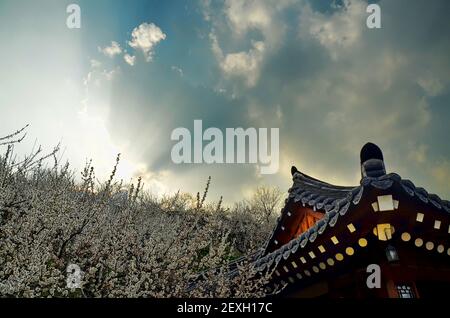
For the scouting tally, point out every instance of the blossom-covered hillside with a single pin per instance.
(126, 242)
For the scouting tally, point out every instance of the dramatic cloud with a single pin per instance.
(129, 59)
(244, 65)
(431, 85)
(242, 17)
(245, 15)
(112, 50)
(337, 83)
(145, 37)
(309, 67)
(337, 32)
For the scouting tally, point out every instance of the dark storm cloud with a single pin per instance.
(321, 75)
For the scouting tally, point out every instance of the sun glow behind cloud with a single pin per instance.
(47, 88)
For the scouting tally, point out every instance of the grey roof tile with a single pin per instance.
(336, 201)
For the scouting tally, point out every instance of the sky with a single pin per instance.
(136, 70)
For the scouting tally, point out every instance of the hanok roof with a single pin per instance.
(348, 219)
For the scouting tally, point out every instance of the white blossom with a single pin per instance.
(126, 242)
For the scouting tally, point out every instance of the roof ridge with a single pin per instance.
(315, 182)
(339, 206)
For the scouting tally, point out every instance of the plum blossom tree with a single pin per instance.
(126, 242)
